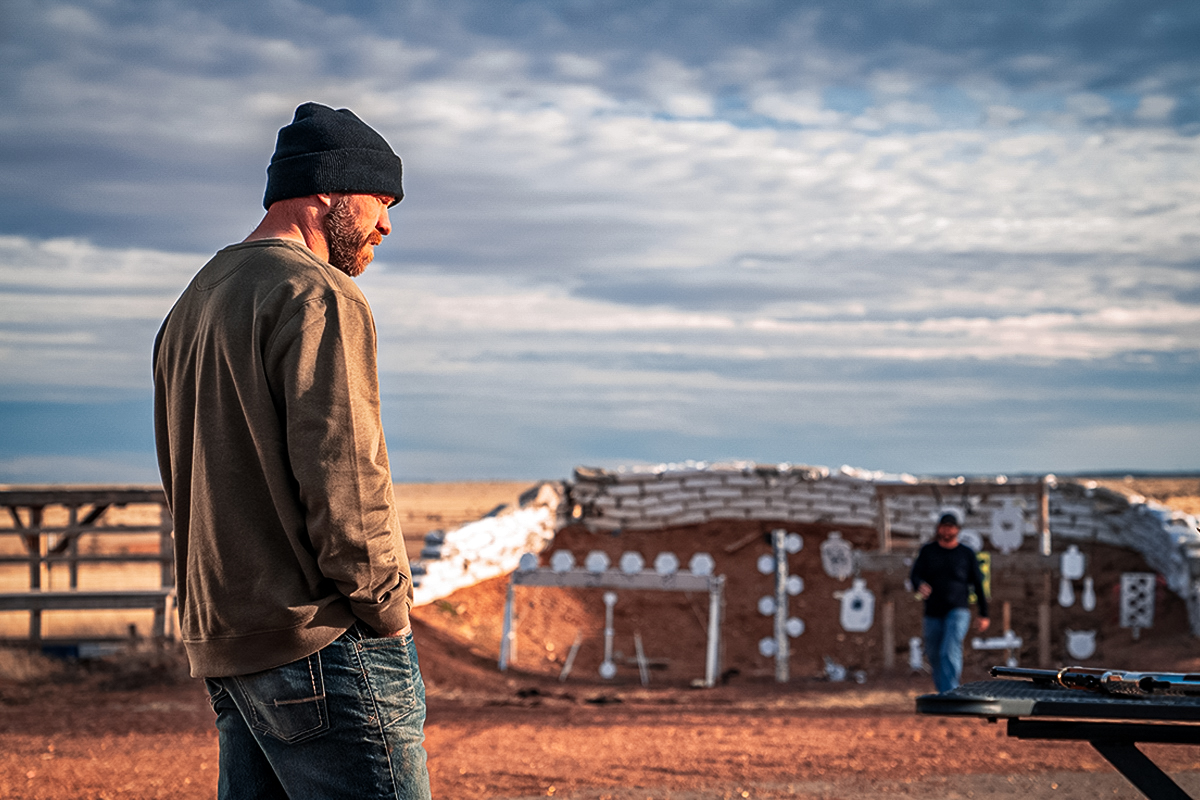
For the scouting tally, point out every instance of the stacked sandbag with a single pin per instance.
(912, 515)
(488, 547)
(670, 495)
(1167, 539)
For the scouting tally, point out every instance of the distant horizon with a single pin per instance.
(1139, 474)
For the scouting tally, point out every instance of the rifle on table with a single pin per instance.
(1108, 681)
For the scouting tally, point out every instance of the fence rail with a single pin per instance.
(50, 540)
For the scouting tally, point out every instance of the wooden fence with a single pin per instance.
(49, 523)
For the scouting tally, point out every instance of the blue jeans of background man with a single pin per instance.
(944, 646)
(347, 721)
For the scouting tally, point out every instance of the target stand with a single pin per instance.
(641, 580)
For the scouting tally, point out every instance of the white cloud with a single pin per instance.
(676, 88)
(805, 108)
(892, 235)
(892, 83)
(577, 67)
(1000, 116)
(1088, 105)
(712, 189)
(710, 192)
(83, 268)
(1155, 107)
(75, 317)
(450, 323)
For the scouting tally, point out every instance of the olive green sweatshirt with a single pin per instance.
(271, 451)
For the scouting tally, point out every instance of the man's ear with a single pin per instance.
(325, 199)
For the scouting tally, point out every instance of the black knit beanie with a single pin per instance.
(326, 151)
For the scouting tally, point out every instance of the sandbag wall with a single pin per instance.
(676, 495)
(645, 499)
(488, 547)
(671, 496)
(1167, 539)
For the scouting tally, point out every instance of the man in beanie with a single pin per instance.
(293, 585)
(944, 574)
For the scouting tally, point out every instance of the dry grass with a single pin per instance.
(427, 506)
(20, 665)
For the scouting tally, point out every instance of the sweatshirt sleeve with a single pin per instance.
(337, 454)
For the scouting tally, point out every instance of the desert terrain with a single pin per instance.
(135, 726)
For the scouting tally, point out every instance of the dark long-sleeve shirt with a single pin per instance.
(952, 573)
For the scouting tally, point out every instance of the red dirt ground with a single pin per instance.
(137, 731)
(137, 727)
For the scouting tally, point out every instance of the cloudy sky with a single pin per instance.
(905, 235)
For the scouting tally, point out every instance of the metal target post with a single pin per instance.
(716, 610)
(775, 605)
(506, 632)
(608, 669)
(781, 605)
(562, 573)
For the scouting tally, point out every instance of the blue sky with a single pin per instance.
(906, 235)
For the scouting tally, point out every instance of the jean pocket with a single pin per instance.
(288, 702)
(389, 666)
(216, 694)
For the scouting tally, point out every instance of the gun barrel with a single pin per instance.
(1173, 683)
(1035, 675)
(1110, 681)
(1085, 678)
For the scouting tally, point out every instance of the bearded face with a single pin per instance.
(351, 247)
(947, 535)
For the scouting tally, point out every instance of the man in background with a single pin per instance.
(293, 585)
(944, 574)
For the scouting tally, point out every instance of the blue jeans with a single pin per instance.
(347, 721)
(943, 646)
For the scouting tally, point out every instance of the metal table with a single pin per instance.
(1112, 724)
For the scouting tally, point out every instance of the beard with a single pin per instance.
(349, 247)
